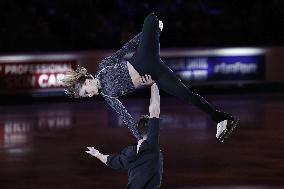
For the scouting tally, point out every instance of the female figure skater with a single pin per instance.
(115, 78)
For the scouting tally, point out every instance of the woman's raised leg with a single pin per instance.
(148, 51)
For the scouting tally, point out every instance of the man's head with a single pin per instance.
(142, 125)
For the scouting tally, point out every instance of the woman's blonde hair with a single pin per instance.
(74, 80)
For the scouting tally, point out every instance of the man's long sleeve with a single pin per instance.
(153, 131)
(120, 160)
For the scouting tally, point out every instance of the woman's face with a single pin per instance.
(89, 88)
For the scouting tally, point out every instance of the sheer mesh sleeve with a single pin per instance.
(127, 47)
(118, 55)
(125, 116)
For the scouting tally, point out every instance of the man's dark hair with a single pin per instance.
(142, 125)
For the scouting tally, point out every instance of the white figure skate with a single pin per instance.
(225, 129)
(161, 25)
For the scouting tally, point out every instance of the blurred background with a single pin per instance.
(230, 52)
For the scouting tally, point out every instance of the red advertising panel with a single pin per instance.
(33, 75)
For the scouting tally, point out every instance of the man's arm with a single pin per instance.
(154, 122)
(114, 161)
(154, 108)
(94, 152)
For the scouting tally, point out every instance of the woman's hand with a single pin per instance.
(147, 80)
(92, 151)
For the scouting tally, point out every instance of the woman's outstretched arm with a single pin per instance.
(124, 115)
(128, 47)
(118, 55)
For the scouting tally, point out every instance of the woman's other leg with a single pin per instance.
(171, 84)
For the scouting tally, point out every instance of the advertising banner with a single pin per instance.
(218, 68)
(33, 75)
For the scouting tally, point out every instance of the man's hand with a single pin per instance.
(92, 151)
(147, 80)
(154, 108)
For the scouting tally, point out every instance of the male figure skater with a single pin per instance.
(143, 160)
